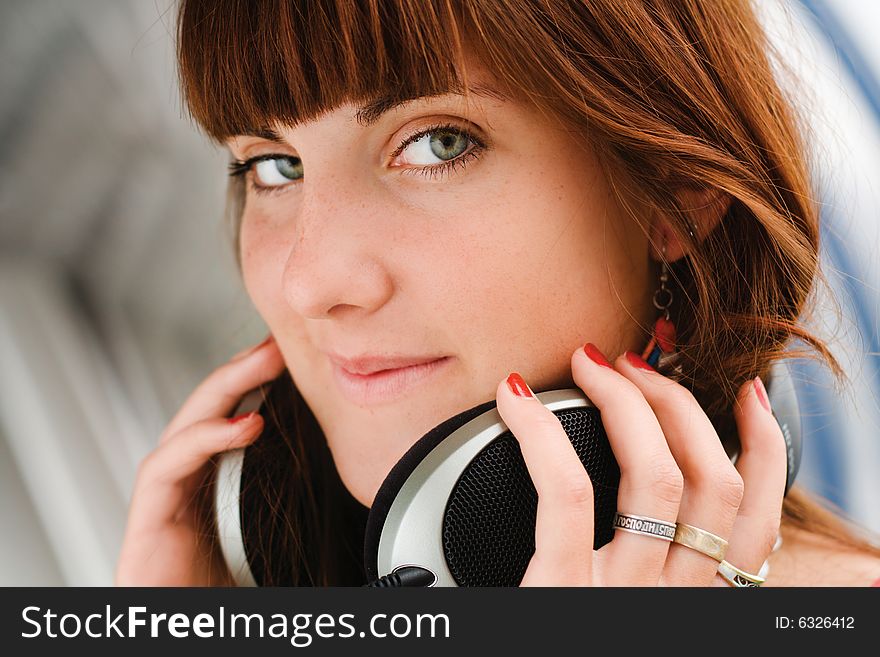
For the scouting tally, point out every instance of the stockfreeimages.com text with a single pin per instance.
(300, 629)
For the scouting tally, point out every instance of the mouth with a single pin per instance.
(385, 385)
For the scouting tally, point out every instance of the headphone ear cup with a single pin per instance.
(232, 508)
(782, 395)
(461, 503)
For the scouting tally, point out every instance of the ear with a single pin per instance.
(704, 210)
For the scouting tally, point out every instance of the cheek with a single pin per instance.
(547, 267)
(262, 261)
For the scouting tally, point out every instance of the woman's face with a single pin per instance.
(508, 261)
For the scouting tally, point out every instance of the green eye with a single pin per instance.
(447, 145)
(276, 171)
(429, 146)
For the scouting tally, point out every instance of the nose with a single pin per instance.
(336, 263)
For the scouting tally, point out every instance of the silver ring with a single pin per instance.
(645, 526)
(738, 578)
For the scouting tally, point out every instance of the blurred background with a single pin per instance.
(119, 291)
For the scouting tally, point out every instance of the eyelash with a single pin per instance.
(239, 168)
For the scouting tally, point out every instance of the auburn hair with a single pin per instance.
(671, 94)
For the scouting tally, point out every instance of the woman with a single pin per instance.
(499, 198)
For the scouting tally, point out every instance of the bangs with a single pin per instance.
(246, 65)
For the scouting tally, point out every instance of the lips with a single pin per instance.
(386, 378)
(365, 365)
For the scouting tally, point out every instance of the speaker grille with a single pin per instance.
(489, 523)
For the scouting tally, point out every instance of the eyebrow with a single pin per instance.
(370, 113)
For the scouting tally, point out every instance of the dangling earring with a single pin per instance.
(663, 338)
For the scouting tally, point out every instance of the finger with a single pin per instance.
(221, 391)
(161, 487)
(712, 486)
(252, 348)
(564, 520)
(650, 481)
(762, 465)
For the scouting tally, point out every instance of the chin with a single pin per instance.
(364, 491)
(362, 468)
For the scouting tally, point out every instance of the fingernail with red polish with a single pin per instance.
(518, 385)
(636, 361)
(761, 391)
(596, 356)
(239, 418)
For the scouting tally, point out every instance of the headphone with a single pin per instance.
(459, 507)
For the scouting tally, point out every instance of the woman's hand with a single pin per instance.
(673, 468)
(161, 546)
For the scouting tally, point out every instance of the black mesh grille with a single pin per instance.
(489, 524)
